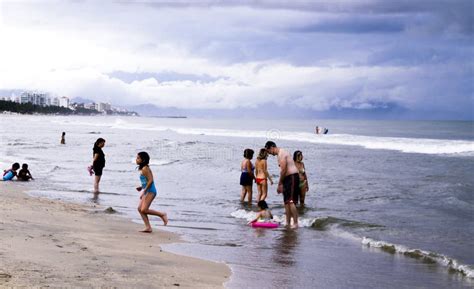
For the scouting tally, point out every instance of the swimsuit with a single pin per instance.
(245, 178)
(144, 181)
(302, 181)
(291, 189)
(260, 181)
(98, 164)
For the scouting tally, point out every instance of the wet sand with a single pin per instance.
(45, 243)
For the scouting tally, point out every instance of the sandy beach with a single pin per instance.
(46, 243)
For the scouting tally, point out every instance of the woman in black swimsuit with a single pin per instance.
(98, 162)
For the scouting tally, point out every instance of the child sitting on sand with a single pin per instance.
(24, 174)
(10, 173)
(264, 215)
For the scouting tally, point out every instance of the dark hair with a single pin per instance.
(64, 133)
(263, 205)
(248, 154)
(270, 144)
(263, 154)
(15, 166)
(145, 159)
(99, 141)
(24, 166)
(296, 154)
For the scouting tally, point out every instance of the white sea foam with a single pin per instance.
(250, 215)
(450, 263)
(406, 145)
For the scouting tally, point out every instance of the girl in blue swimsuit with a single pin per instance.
(148, 192)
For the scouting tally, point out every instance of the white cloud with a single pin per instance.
(72, 48)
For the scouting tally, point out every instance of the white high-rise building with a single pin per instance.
(64, 102)
(102, 106)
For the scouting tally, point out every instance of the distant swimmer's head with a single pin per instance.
(271, 148)
(100, 142)
(262, 205)
(248, 153)
(143, 159)
(297, 156)
(15, 166)
(24, 166)
(262, 154)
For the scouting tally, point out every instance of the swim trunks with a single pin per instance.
(291, 189)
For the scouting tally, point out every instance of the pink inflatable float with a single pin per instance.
(269, 225)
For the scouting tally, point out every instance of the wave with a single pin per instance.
(250, 215)
(425, 256)
(406, 145)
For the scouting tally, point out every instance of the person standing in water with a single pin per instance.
(304, 186)
(262, 175)
(148, 192)
(288, 183)
(247, 176)
(63, 138)
(98, 162)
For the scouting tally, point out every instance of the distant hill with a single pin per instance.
(81, 100)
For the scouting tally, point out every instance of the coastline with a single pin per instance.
(52, 243)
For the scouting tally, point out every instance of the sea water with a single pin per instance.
(390, 203)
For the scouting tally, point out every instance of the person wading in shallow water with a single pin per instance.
(98, 162)
(288, 183)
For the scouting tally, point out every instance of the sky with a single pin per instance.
(361, 57)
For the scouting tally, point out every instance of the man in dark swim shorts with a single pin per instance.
(289, 182)
(291, 189)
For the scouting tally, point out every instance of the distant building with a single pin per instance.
(35, 98)
(102, 107)
(64, 102)
(89, 105)
(55, 101)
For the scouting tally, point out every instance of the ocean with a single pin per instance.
(390, 204)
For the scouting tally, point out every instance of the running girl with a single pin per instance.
(148, 192)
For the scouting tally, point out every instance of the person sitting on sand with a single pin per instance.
(24, 174)
(10, 173)
(264, 215)
(262, 175)
(148, 192)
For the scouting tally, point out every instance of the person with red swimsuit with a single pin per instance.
(262, 175)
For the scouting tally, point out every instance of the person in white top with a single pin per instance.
(288, 183)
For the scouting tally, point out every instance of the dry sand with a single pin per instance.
(45, 243)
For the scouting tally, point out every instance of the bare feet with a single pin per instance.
(146, 231)
(165, 219)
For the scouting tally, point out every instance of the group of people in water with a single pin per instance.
(293, 181)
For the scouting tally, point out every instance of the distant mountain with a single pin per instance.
(81, 100)
(10, 92)
(153, 110)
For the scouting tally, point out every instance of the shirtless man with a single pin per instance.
(288, 183)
